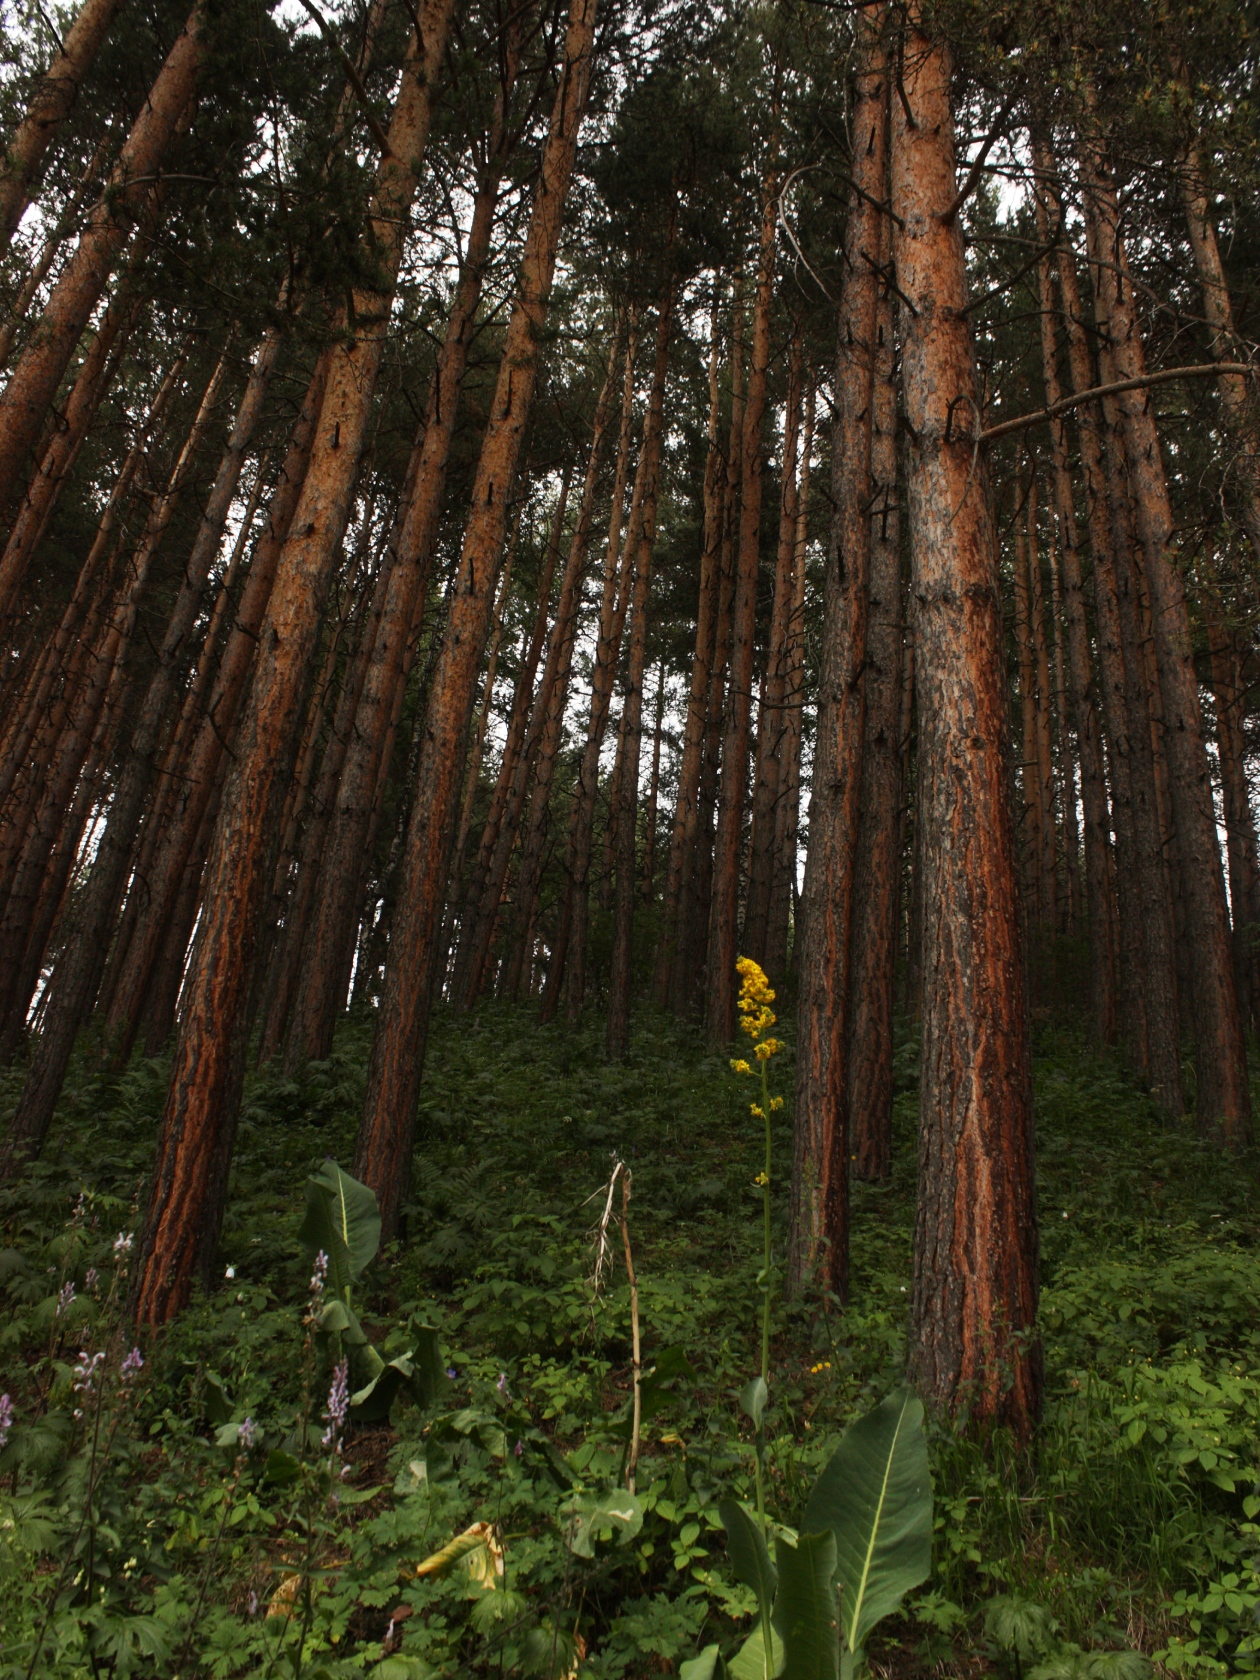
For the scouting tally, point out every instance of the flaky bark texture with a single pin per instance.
(1222, 1104)
(35, 379)
(873, 961)
(53, 98)
(973, 1342)
(188, 1186)
(387, 1131)
(820, 1210)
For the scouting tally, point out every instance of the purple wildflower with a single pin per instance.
(92, 1279)
(131, 1364)
(502, 1386)
(452, 1373)
(338, 1403)
(122, 1244)
(245, 1435)
(253, 1596)
(85, 1376)
(6, 1418)
(318, 1275)
(519, 1448)
(65, 1298)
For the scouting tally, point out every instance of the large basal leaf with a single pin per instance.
(750, 1557)
(343, 1220)
(707, 1666)
(805, 1610)
(875, 1496)
(749, 1662)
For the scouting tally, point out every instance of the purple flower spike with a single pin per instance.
(6, 1418)
(131, 1364)
(245, 1435)
(338, 1404)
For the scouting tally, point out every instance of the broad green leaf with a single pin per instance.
(343, 1220)
(754, 1398)
(281, 1468)
(587, 1515)
(750, 1557)
(707, 1666)
(875, 1495)
(805, 1611)
(749, 1662)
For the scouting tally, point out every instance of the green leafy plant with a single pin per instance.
(866, 1543)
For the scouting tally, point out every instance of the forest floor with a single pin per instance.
(145, 1531)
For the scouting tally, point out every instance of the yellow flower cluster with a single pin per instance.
(740, 1066)
(755, 997)
(756, 1110)
(761, 1179)
(815, 1369)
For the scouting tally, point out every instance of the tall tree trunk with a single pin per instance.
(819, 1238)
(690, 974)
(72, 986)
(768, 777)
(407, 569)
(200, 779)
(1239, 410)
(34, 381)
(94, 378)
(647, 888)
(783, 894)
(873, 940)
(1099, 902)
(499, 835)
(188, 1187)
(1047, 862)
(53, 99)
(607, 643)
(1030, 807)
(721, 987)
(625, 815)
(1141, 982)
(547, 721)
(1240, 828)
(1223, 1105)
(1066, 774)
(387, 1131)
(680, 868)
(616, 599)
(973, 1340)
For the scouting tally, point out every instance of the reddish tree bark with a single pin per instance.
(768, 776)
(188, 1186)
(407, 569)
(784, 893)
(819, 1241)
(625, 815)
(387, 1131)
(1223, 1104)
(721, 987)
(34, 381)
(973, 1343)
(873, 954)
(681, 865)
(53, 99)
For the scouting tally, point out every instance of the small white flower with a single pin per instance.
(231, 1272)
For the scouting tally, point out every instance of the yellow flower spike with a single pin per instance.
(740, 1066)
(767, 1048)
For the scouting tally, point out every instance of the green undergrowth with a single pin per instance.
(158, 1533)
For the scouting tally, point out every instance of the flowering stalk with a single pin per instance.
(755, 998)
